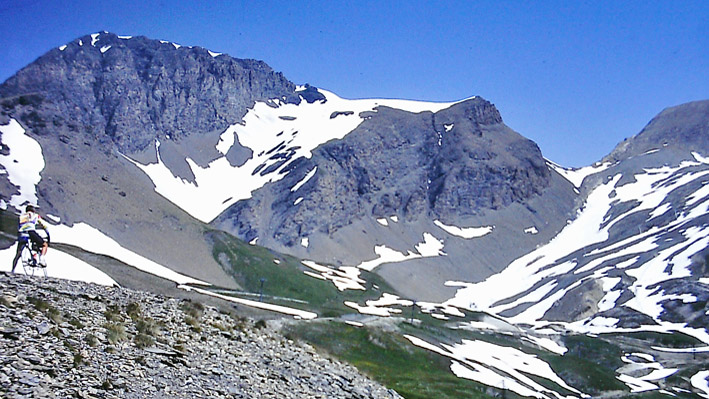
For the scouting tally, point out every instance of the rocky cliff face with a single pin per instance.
(129, 92)
(395, 180)
(101, 96)
(447, 165)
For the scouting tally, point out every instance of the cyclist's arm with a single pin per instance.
(43, 225)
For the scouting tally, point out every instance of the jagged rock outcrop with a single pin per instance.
(447, 165)
(61, 339)
(102, 96)
(129, 92)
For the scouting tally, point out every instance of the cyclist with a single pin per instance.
(30, 221)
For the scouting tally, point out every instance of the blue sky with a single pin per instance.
(577, 77)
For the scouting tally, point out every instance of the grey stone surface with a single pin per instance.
(679, 128)
(399, 163)
(136, 91)
(157, 352)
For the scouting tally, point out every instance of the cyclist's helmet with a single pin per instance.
(29, 208)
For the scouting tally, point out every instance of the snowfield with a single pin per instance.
(59, 265)
(272, 130)
(536, 277)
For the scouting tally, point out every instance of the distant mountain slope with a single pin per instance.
(100, 97)
(344, 182)
(635, 256)
(678, 128)
(130, 91)
(402, 179)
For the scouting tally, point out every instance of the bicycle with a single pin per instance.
(30, 259)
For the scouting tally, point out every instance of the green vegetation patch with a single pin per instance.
(45, 307)
(115, 332)
(254, 269)
(675, 339)
(390, 359)
(589, 364)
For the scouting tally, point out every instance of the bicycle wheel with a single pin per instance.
(27, 261)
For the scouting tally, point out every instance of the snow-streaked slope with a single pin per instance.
(90, 239)
(646, 372)
(59, 265)
(577, 176)
(584, 251)
(499, 366)
(23, 164)
(277, 133)
(297, 313)
(348, 277)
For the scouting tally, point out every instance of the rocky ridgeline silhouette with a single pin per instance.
(61, 339)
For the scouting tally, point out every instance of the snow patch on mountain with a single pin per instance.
(348, 277)
(90, 239)
(642, 363)
(498, 366)
(465, 232)
(576, 176)
(546, 343)
(59, 265)
(531, 230)
(344, 278)
(545, 275)
(297, 313)
(430, 247)
(382, 306)
(23, 164)
(277, 133)
(701, 382)
(305, 179)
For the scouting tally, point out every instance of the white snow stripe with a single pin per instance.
(23, 164)
(258, 305)
(90, 239)
(305, 179)
(465, 232)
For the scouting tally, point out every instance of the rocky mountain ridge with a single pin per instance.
(132, 129)
(131, 91)
(67, 339)
(455, 163)
(679, 128)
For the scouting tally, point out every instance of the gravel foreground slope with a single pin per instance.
(64, 339)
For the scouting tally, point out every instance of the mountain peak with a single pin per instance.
(129, 91)
(481, 111)
(684, 127)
